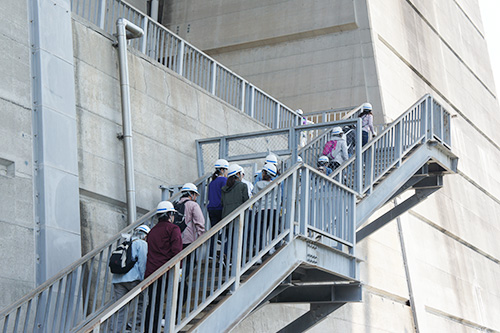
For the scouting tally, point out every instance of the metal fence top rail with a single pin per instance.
(285, 131)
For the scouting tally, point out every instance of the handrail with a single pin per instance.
(244, 232)
(76, 298)
(170, 50)
(423, 121)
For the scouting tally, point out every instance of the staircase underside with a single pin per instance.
(300, 272)
(422, 171)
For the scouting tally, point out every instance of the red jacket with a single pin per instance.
(164, 242)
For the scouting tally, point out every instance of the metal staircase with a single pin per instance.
(306, 243)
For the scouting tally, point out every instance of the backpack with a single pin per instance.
(179, 218)
(121, 260)
(329, 146)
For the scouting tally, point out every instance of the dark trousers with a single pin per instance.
(157, 297)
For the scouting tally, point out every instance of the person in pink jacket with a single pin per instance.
(193, 216)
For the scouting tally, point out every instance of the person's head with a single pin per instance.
(337, 131)
(190, 191)
(323, 161)
(235, 170)
(272, 159)
(141, 232)
(322, 169)
(365, 109)
(234, 173)
(268, 171)
(165, 211)
(220, 166)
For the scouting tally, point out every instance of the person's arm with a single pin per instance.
(344, 151)
(198, 220)
(370, 124)
(142, 256)
(176, 245)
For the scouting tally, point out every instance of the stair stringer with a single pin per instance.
(299, 252)
(429, 151)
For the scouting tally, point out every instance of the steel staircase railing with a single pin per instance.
(245, 236)
(80, 290)
(426, 120)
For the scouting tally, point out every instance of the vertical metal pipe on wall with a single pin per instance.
(127, 30)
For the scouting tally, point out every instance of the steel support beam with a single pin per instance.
(316, 314)
(325, 293)
(419, 196)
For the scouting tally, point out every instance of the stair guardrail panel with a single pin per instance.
(425, 120)
(168, 49)
(78, 291)
(217, 261)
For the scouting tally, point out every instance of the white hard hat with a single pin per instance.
(221, 164)
(367, 106)
(299, 159)
(299, 111)
(337, 131)
(190, 187)
(271, 158)
(165, 207)
(270, 169)
(233, 170)
(144, 228)
(323, 159)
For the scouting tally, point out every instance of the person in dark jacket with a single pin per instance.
(234, 193)
(215, 191)
(164, 243)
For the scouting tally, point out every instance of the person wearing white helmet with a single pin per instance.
(123, 283)
(193, 216)
(164, 243)
(367, 123)
(235, 192)
(219, 179)
(336, 149)
(323, 162)
(267, 207)
(272, 159)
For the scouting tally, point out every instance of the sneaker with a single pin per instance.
(259, 262)
(272, 250)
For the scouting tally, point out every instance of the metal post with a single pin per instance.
(304, 202)
(214, 78)
(180, 58)
(243, 86)
(252, 102)
(276, 116)
(122, 27)
(359, 156)
(101, 13)
(154, 9)
(144, 39)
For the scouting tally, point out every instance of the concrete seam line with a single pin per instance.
(454, 237)
(440, 94)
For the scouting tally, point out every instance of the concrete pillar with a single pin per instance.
(55, 154)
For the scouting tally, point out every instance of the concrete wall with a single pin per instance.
(168, 115)
(16, 149)
(452, 255)
(310, 55)
(436, 268)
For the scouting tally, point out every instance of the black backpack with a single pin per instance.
(121, 260)
(179, 218)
